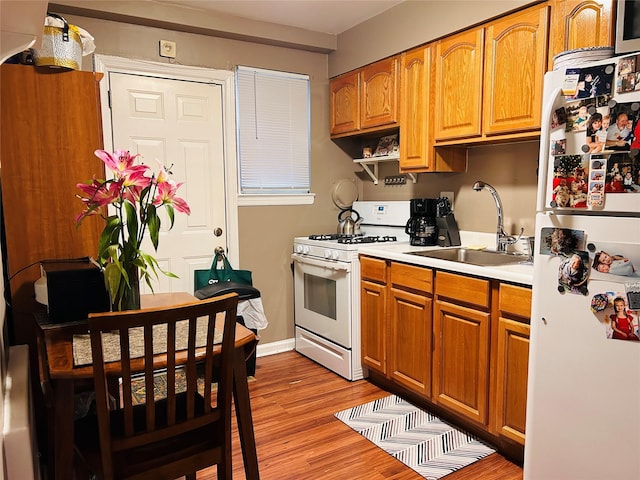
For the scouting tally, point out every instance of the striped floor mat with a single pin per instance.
(414, 436)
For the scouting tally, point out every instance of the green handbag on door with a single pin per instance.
(214, 275)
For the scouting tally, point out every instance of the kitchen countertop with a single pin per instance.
(521, 273)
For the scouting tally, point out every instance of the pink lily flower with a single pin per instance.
(97, 194)
(119, 162)
(166, 195)
(162, 176)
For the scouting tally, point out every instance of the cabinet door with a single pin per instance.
(511, 378)
(51, 125)
(580, 24)
(410, 337)
(461, 360)
(379, 94)
(345, 103)
(373, 312)
(458, 85)
(415, 121)
(516, 60)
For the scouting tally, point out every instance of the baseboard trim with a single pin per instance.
(275, 347)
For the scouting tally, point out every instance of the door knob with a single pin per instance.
(217, 231)
(219, 250)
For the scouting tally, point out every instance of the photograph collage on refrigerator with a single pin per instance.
(610, 158)
(580, 262)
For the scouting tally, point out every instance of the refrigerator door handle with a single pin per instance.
(547, 112)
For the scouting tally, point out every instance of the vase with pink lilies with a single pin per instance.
(129, 202)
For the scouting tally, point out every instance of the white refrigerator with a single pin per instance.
(583, 398)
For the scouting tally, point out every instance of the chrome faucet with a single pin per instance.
(502, 239)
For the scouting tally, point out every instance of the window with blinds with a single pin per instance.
(273, 129)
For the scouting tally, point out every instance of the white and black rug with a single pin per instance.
(414, 436)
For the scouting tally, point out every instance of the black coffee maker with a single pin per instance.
(421, 226)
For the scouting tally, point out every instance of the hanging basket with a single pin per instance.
(61, 46)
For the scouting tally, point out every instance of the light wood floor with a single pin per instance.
(293, 401)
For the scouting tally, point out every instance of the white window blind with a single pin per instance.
(273, 132)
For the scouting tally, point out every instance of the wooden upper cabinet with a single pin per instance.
(345, 103)
(458, 85)
(365, 99)
(580, 24)
(415, 121)
(489, 79)
(516, 59)
(379, 87)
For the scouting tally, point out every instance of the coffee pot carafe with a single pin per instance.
(421, 226)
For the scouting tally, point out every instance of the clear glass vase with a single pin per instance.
(127, 297)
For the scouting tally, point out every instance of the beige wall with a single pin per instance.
(510, 168)
(266, 233)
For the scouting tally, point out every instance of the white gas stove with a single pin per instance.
(327, 286)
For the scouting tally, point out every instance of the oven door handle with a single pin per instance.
(337, 266)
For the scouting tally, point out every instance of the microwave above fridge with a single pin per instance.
(627, 27)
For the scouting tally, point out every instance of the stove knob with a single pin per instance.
(336, 255)
(305, 249)
(298, 248)
(327, 254)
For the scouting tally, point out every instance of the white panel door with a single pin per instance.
(180, 123)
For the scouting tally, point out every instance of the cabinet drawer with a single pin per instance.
(515, 300)
(469, 290)
(373, 269)
(410, 276)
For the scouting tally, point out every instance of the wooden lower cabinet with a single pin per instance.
(373, 313)
(460, 343)
(512, 361)
(461, 363)
(410, 332)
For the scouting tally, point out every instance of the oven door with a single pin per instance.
(322, 297)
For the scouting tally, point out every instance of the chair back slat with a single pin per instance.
(184, 409)
(126, 375)
(149, 378)
(191, 370)
(171, 372)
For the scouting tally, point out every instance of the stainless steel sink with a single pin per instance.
(483, 258)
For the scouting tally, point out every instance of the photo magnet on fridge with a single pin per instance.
(570, 185)
(578, 112)
(633, 294)
(614, 261)
(595, 81)
(573, 274)
(561, 241)
(628, 74)
(621, 173)
(613, 311)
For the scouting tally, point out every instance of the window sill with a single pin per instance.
(264, 200)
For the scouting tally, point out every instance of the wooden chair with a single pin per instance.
(182, 433)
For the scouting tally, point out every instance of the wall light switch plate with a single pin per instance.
(167, 49)
(449, 195)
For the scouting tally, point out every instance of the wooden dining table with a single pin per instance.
(56, 351)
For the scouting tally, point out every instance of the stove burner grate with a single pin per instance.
(332, 236)
(371, 239)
